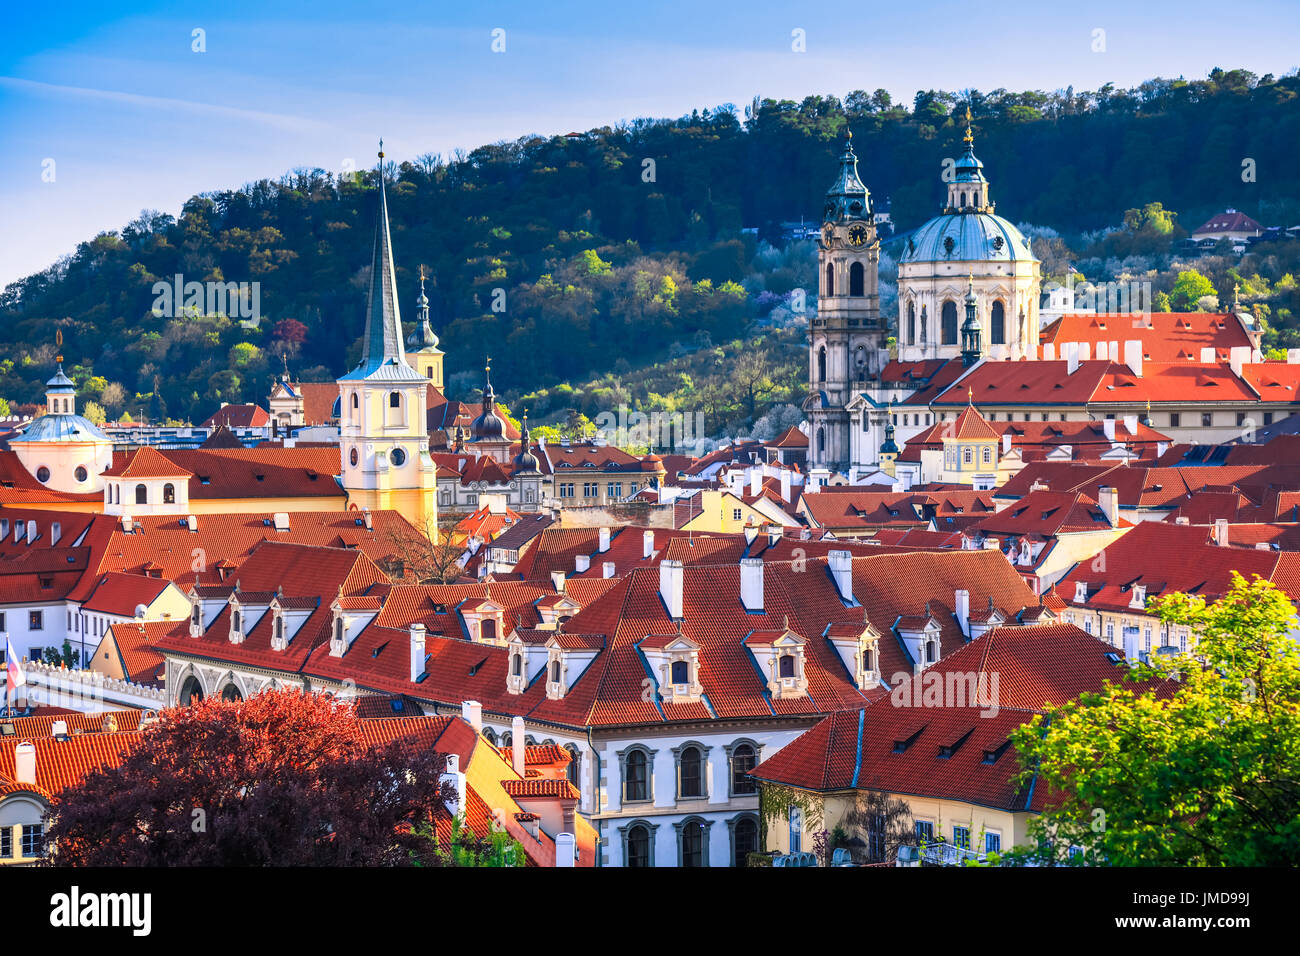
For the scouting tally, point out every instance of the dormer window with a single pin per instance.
(681, 673)
(236, 624)
(278, 640)
(1139, 596)
(517, 665)
(1080, 592)
(780, 655)
(786, 666)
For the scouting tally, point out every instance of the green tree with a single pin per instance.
(1193, 760)
(93, 412)
(1188, 288)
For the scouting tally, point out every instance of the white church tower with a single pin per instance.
(383, 431)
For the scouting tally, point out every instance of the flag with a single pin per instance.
(14, 676)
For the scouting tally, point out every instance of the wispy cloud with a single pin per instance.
(294, 124)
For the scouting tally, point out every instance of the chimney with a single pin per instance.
(756, 481)
(1183, 520)
(370, 522)
(581, 562)
(1133, 356)
(56, 532)
(751, 533)
(1108, 427)
(472, 712)
(192, 522)
(604, 540)
(417, 650)
(517, 744)
(1071, 350)
(773, 534)
(647, 544)
(1108, 498)
(1238, 356)
(25, 763)
(1049, 352)
(671, 583)
(565, 849)
(961, 608)
(1131, 423)
(557, 581)
(751, 584)
(607, 569)
(1293, 356)
(841, 567)
(1207, 355)
(785, 485)
(59, 728)
(1085, 351)
(1221, 532)
(1006, 443)
(453, 776)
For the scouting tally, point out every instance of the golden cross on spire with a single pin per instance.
(421, 275)
(970, 395)
(969, 137)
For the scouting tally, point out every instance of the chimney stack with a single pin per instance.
(1221, 532)
(25, 763)
(756, 481)
(417, 650)
(1006, 443)
(604, 540)
(841, 567)
(671, 585)
(773, 534)
(751, 533)
(785, 486)
(517, 744)
(1049, 352)
(472, 712)
(1108, 427)
(1238, 356)
(1108, 498)
(607, 569)
(581, 562)
(647, 544)
(557, 581)
(751, 584)
(1071, 352)
(961, 608)
(1133, 356)
(453, 776)
(1131, 423)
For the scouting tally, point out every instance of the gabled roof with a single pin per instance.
(147, 462)
(237, 416)
(120, 594)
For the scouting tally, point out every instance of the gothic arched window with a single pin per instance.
(821, 364)
(911, 322)
(830, 279)
(948, 323)
(857, 279)
(998, 324)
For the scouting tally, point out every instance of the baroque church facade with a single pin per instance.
(968, 291)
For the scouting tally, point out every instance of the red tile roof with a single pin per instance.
(238, 416)
(146, 462)
(1165, 336)
(120, 594)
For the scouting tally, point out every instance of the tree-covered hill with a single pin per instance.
(618, 243)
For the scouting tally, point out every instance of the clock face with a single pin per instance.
(858, 235)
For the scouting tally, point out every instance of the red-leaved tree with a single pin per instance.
(282, 779)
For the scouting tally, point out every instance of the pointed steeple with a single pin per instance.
(422, 338)
(848, 198)
(971, 333)
(383, 317)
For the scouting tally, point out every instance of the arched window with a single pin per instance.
(821, 441)
(925, 323)
(169, 494)
(191, 692)
(911, 322)
(338, 628)
(931, 651)
(743, 760)
(821, 364)
(507, 739)
(575, 764)
(998, 324)
(555, 671)
(517, 665)
(745, 840)
(967, 455)
(690, 773)
(638, 845)
(279, 629)
(785, 665)
(235, 620)
(231, 693)
(141, 495)
(857, 279)
(636, 779)
(963, 200)
(830, 279)
(355, 403)
(487, 629)
(949, 323)
(394, 399)
(681, 672)
(490, 736)
(692, 837)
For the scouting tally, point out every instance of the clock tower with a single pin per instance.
(383, 431)
(846, 338)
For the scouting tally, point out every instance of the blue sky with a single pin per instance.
(134, 119)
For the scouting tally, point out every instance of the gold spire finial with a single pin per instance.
(969, 137)
(58, 342)
(970, 396)
(381, 147)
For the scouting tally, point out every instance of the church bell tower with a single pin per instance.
(846, 338)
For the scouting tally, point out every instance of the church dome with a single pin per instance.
(967, 237)
(60, 428)
(487, 426)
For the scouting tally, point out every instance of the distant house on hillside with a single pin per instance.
(1229, 224)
